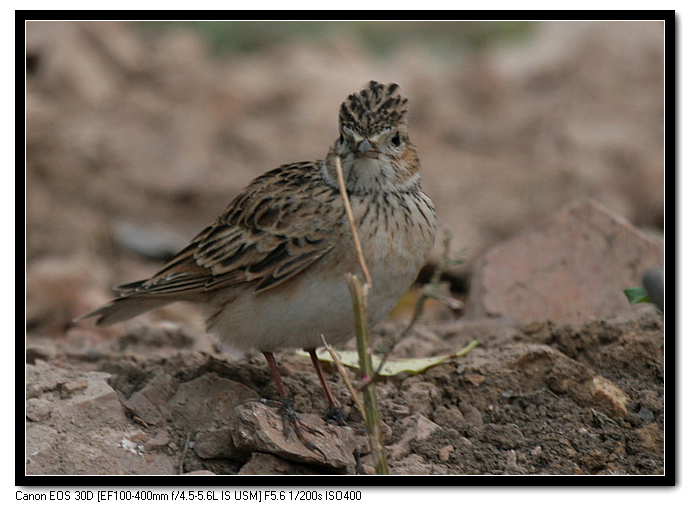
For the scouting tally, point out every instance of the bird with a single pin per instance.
(269, 273)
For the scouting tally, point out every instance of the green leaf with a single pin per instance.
(636, 295)
(393, 367)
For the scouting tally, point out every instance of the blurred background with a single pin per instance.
(139, 134)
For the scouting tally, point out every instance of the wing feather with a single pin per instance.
(268, 234)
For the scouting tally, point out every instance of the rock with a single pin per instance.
(571, 267)
(95, 405)
(150, 403)
(38, 410)
(444, 453)
(206, 400)
(512, 466)
(141, 407)
(218, 443)
(415, 427)
(471, 414)
(267, 464)
(646, 415)
(651, 437)
(159, 441)
(539, 364)
(77, 414)
(67, 389)
(397, 410)
(415, 465)
(40, 441)
(258, 428)
(653, 282)
(421, 396)
(608, 397)
(448, 417)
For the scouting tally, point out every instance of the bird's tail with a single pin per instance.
(124, 308)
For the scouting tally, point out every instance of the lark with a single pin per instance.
(269, 273)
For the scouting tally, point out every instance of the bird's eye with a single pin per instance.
(395, 140)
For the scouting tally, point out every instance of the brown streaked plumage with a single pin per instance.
(269, 272)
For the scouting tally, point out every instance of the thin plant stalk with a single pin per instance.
(351, 220)
(371, 408)
(359, 292)
(343, 373)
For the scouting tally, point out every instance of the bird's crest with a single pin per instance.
(376, 108)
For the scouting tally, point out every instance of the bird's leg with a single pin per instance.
(333, 412)
(289, 415)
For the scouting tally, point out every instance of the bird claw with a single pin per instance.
(290, 418)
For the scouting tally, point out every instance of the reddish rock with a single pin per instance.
(258, 428)
(207, 399)
(267, 464)
(571, 267)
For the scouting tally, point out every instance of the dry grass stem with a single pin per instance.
(351, 219)
(371, 408)
(343, 373)
(359, 292)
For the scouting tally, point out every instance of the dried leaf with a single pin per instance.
(393, 367)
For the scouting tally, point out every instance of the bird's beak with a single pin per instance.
(365, 148)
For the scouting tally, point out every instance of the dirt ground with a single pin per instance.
(135, 142)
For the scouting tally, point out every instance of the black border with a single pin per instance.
(39, 482)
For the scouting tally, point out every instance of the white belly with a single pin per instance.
(297, 313)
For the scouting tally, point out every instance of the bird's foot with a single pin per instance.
(291, 419)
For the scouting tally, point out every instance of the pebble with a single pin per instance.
(444, 453)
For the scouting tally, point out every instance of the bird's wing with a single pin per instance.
(278, 226)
